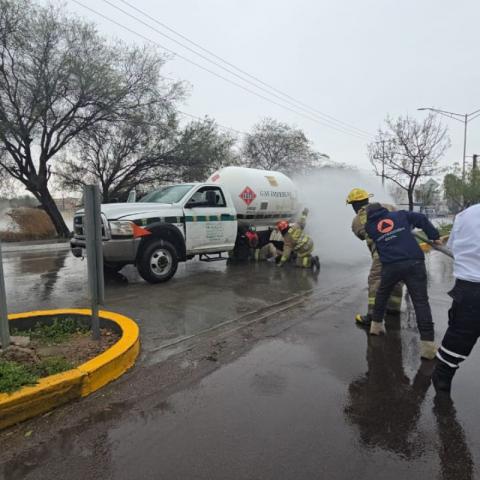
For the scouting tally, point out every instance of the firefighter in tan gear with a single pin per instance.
(295, 240)
(359, 200)
(273, 249)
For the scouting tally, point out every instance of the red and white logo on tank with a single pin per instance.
(248, 195)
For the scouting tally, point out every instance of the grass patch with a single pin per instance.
(52, 366)
(58, 331)
(14, 375)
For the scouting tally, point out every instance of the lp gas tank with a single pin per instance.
(260, 197)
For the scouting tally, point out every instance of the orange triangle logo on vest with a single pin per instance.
(385, 226)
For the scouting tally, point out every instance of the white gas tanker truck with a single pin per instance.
(175, 223)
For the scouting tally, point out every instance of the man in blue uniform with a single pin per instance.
(402, 261)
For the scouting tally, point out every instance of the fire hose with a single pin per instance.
(440, 248)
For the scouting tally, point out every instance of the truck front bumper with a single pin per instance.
(114, 251)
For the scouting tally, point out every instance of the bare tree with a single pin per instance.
(59, 78)
(120, 156)
(273, 145)
(407, 150)
(144, 152)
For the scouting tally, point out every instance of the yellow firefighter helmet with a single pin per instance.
(357, 195)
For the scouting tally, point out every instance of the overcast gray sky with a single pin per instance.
(354, 60)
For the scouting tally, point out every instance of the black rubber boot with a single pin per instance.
(315, 263)
(442, 378)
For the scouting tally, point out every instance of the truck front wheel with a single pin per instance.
(158, 261)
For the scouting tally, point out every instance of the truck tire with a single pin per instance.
(158, 261)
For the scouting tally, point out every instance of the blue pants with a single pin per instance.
(414, 274)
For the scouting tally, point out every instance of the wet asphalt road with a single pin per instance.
(304, 394)
(200, 297)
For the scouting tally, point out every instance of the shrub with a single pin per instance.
(58, 331)
(31, 224)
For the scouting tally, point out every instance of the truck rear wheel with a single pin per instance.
(158, 261)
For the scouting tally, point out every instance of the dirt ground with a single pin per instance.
(76, 349)
(79, 348)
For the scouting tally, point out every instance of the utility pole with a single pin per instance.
(475, 161)
(382, 157)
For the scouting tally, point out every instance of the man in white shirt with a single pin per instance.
(464, 314)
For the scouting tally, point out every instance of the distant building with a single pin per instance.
(68, 203)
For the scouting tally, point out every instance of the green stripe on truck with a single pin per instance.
(224, 217)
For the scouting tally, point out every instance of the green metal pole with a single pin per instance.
(93, 227)
(4, 328)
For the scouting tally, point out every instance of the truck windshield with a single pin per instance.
(170, 194)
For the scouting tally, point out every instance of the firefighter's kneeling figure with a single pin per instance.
(295, 240)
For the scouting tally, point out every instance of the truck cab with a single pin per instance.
(167, 226)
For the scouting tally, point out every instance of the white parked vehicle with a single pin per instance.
(178, 222)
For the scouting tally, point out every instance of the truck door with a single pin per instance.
(210, 224)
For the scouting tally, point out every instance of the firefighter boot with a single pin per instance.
(428, 350)
(365, 320)
(377, 328)
(315, 263)
(442, 378)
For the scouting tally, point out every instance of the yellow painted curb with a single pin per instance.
(52, 391)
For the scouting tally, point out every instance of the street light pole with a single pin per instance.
(461, 117)
(464, 146)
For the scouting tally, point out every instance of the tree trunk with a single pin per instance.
(53, 212)
(410, 200)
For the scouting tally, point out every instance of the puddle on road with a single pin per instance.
(40, 280)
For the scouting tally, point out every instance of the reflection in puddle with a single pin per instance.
(386, 406)
(44, 280)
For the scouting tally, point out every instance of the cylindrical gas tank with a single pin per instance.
(261, 197)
